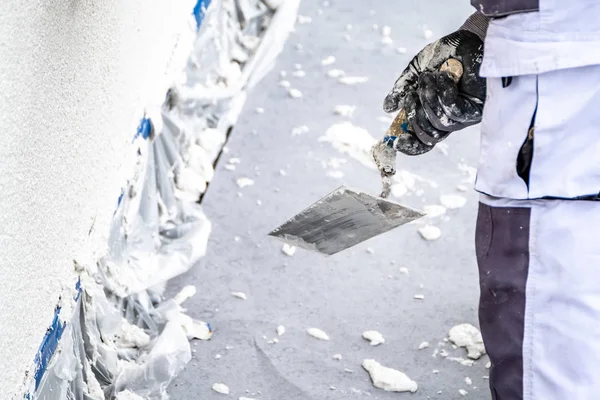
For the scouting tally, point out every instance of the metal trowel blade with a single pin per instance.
(342, 219)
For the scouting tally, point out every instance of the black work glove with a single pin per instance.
(435, 103)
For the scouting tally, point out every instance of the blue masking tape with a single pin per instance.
(199, 11)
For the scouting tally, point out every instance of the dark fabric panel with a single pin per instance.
(502, 248)
(498, 8)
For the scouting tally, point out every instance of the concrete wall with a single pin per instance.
(75, 76)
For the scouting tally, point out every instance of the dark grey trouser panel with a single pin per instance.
(499, 8)
(502, 248)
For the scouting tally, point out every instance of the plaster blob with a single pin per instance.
(328, 60)
(453, 201)
(469, 337)
(317, 333)
(335, 73)
(288, 250)
(243, 182)
(350, 139)
(389, 379)
(344, 110)
(184, 294)
(239, 295)
(220, 388)
(294, 93)
(374, 337)
(430, 232)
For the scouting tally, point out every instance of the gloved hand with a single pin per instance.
(435, 104)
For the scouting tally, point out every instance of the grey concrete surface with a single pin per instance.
(352, 291)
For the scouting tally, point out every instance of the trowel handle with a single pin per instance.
(400, 124)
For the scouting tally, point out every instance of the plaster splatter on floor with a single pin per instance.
(298, 74)
(387, 41)
(374, 337)
(462, 361)
(239, 295)
(243, 182)
(453, 201)
(401, 50)
(220, 388)
(288, 250)
(299, 130)
(386, 30)
(186, 293)
(469, 337)
(337, 357)
(470, 172)
(389, 379)
(398, 190)
(463, 392)
(294, 93)
(328, 60)
(403, 270)
(352, 140)
(303, 19)
(427, 33)
(442, 148)
(353, 80)
(468, 381)
(430, 232)
(344, 110)
(260, 110)
(335, 174)
(434, 210)
(285, 84)
(246, 398)
(128, 395)
(317, 333)
(280, 330)
(419, 296)
(335, 73)
(423, 345)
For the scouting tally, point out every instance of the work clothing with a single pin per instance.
(539, 179)
(539, 264)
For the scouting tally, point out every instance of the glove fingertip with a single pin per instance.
(391, 102)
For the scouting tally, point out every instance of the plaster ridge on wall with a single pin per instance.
(157, 220)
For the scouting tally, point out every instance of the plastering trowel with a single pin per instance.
(346, 217)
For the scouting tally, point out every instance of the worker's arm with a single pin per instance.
(435, 104)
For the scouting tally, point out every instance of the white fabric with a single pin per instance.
(563, 34)
(561, 347)
(566, 154)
